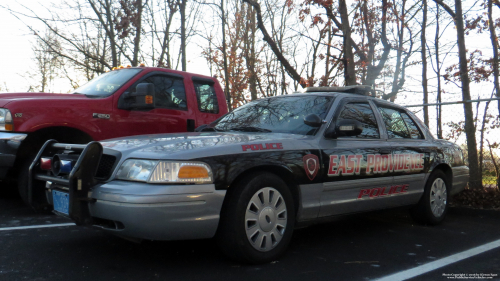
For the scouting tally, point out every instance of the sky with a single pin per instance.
(16, 61)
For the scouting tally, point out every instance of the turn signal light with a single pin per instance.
(190, 172)
(46, 163)
(9, 127)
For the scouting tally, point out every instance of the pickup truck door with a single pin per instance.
(172, 109)
(354, 178)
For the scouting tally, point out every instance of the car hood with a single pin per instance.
(203, 144)
(6, 98)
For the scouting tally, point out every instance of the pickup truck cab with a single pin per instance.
(123, 102)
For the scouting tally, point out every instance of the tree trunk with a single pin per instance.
(424, 62)
(438, 68)
(182, 6)
(137, 38)
(250, 52)
(349, 73)
(475, 181)
(224, 55)
(494, 43)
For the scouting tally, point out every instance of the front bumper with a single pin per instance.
(156, 212)
(9, 144)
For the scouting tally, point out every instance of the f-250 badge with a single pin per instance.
(101, 115)
(311, 165)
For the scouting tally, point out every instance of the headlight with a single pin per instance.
(153, 171)
(6, 120)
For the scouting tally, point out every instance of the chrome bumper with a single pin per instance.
(157, 212)
(9, 144)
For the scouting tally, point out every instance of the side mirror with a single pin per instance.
(144, 96)
(313, 120)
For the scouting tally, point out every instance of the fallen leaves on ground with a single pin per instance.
(486, 198)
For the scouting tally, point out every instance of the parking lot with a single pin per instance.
(361, 247)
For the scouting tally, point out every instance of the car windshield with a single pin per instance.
(277, 115)
(106, 84)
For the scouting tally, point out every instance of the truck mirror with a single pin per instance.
(143, 97)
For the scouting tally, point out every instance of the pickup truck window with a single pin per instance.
(363, 113)
(107, 83)
(170, 92)
(278, 115)
(206, 96)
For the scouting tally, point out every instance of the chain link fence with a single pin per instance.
(447, 121)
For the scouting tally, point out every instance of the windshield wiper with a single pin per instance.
(250, 129)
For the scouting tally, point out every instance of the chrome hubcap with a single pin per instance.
(438, 197)
(265, 219)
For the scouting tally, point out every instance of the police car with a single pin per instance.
(256, 173)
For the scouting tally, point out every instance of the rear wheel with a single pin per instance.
(433, 205)
(257, 219)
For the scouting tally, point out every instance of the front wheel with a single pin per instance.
(433, 205)
(257, 219)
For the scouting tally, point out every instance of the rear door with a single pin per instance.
(411, 152)
(356, 175)
(207, 101)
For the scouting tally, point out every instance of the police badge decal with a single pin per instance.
(311, 165)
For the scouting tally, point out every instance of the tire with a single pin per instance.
(257, 219)
(40, 203)
(432, 207)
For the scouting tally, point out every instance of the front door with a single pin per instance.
(171, 111)
(357, 173)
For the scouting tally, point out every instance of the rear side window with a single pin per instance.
(363, 113)
(169, 92)
(412, 126)
(394, 123)
(206, 96)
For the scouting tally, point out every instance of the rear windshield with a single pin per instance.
(277, 115)
(106, 84)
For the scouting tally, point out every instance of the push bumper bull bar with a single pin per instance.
(78, 183)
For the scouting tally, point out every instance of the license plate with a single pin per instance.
(60, 201)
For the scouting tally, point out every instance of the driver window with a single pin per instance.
(169, 92)
(363, 113)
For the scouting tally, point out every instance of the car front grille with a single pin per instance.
(105, 168)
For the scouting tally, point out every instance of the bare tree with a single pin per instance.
(470, 131)
(423, 50)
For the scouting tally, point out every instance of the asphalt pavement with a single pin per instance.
(361, 247)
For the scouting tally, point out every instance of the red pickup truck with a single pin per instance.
(123, 102)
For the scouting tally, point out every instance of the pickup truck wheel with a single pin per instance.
(433, 205)
(257, 220)
(40, 204)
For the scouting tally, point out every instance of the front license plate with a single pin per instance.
(61, 202)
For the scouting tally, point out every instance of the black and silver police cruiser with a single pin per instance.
(256, 173)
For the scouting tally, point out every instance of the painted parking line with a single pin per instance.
(35, 226)
(419, 270)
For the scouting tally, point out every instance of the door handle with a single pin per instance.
(385, 151)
